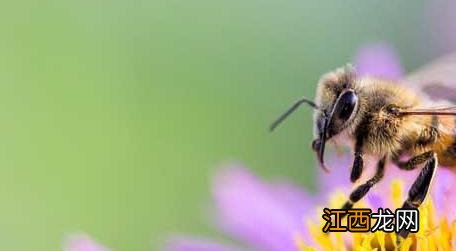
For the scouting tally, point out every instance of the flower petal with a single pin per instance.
(258, 213)
(293, 198)
(378, 60)
(193, 244)
(443, 193)
(83, 243)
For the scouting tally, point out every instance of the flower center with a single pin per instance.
(435, 231)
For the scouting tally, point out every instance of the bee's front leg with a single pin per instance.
(358, 163)
(362, 190)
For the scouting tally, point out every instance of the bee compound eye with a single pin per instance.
(346, 105)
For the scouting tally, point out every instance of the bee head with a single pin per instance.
(335, 105)
(337, 102)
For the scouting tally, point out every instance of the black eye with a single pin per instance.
(346, 105)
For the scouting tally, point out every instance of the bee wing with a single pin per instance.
(436, 80)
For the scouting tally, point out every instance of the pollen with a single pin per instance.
(435, 231)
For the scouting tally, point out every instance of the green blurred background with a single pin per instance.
(114, 114)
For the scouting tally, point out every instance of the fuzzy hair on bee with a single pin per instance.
(388, 119)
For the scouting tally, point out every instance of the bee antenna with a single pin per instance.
(290, 110)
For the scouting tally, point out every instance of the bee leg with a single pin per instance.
(358, 163)
(420, 188)
(362, 190)
(414, 162)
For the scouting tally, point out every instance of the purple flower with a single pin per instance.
(274, 216)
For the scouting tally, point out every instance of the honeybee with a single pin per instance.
(388, 119)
